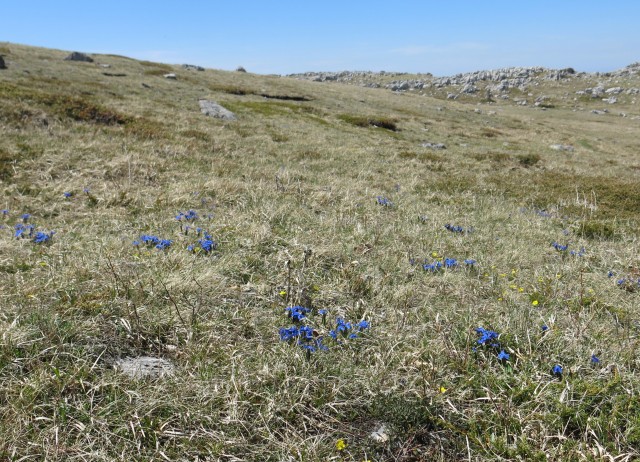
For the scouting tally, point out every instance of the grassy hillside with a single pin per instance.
(321, 196)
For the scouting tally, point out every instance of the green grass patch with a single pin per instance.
(387, 123)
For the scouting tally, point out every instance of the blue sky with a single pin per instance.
(283, 37)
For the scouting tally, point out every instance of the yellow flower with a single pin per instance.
(521, 289)
(443, 390)
(282, 293)
(434, 254)
(534, 303)
(340, 444)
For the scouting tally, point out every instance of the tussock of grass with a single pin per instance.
(306, 210)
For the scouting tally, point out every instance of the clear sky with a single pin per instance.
(442, 37)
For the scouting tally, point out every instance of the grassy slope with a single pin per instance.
(295, 178)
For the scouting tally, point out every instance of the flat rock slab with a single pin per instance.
(213, 109)
(145, 367)
(433, 145)
(562, 147)
(76, 56)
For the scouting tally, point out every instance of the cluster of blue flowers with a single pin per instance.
(454, 229)
(26, 230)
(490, 338)
(447, 263)
(563, 248)
(153, 241)
(308, 338)
(191, 216)
(380, 200)
(559, 247)
(345, 329)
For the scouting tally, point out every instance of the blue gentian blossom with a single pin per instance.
(43, 238)
(67, 194)
(384, 201)
(25, 217)
(469, 262)
(450, 262)
(560, 247)
(595, 359)
(487, 337)
(557, 370)
(454, 229)
(503, 356)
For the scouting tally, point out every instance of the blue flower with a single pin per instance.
(450, 262)
(544, 328)
(163, 244)
(503, 356)
(486, 336)
(559, 247)
(557, 370)
(67, 194)
(322, 312)
(610, 274)
(43, 238)
(136, 243)
(25, 217)
(384, 201)
(454, 229)
(86, 190)
(5, 212)
(297, 313)
(207, 245)
(470, 262)
(363, 325)
(581, 253)
(595, 359)
(287, 334)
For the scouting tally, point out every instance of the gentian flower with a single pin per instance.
(557, 370)
(67, 194)
(503, 356)
(595, 359)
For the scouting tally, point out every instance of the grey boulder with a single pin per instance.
(77, 56)
(213, 109)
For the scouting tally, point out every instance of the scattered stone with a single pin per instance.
(145, 85)
(109, 74)
(2, 64)
(171, 76)
(240, 69)
(433, 145)
(599, 112)
(213, 109)
(145, 367)
(469, 88)
(562, 147)
(452, 96)
(106, 66)
(614, 91)
(381, 434)
(192, 67)
(610, 100)
(77, 56)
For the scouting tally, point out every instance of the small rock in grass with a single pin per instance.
(434, 145)
(562, 147)
(171, 76)
(145, 367)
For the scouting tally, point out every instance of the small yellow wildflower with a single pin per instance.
(534, 303)
(282, 293)
(521, 289)
(513, 286)
(443, 390)
(340, 444)
(503, 275)
(434, 254)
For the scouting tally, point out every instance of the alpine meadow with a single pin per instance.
(206, 265)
